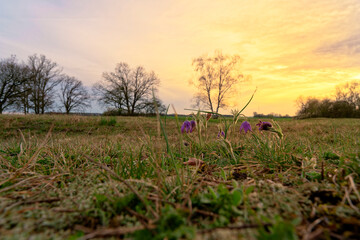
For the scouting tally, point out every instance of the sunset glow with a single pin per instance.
(289, 48)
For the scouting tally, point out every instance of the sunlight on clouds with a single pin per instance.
(289, 48)
(356, 77)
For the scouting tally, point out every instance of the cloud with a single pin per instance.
(347, 46)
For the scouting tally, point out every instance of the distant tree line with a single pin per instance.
(36, 85)
(270, 115)
(345, 105)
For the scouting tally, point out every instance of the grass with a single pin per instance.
(73, 177)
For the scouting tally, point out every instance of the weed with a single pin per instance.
(280, 229)
(107, 121)
(172, 225)
(223, 202)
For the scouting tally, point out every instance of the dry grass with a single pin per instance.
(93, 178)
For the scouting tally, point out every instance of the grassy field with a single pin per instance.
(73, 177)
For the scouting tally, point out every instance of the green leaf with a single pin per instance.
(330, 156)
(249, 190)
(212, 192)
(222, 190)
(313, 175)
(223, 174)
(237, 198)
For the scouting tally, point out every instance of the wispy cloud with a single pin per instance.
(349, 46)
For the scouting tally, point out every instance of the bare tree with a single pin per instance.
(22, 101)
(12, 77)
(127, 88)
(151, 106)
(109, 94)
(73, 94)
(216, 78)
(44, 77)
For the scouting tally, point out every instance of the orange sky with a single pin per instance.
(290, 48)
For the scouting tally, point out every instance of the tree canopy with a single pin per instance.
(13, 76)
(127, 89)
(73, 94)
(32, 87)
(345, 105)
(216, 79)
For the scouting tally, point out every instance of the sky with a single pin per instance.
(288, 48)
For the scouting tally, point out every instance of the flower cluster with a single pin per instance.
(263, 126)
(188, 126)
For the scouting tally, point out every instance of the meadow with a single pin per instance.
(81, 177)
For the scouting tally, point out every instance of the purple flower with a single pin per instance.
(245, 126)
(221, 134)
(264, 125)
(188, 126)
(192, 125)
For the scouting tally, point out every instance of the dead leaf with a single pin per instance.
(194, 162)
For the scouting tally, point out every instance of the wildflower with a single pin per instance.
(245, 126)
(264, 125)
(192, 125)
(188, 126)
(269, 127)
(221, 134)
(208, 116)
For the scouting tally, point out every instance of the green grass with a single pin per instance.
(100, 177)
